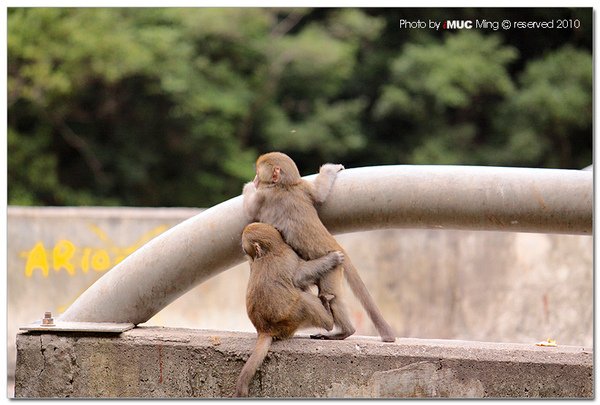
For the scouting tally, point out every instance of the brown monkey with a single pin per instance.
(278, 300)
(280, 197)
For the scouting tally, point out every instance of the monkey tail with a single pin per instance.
(360, 291)
(263, 343)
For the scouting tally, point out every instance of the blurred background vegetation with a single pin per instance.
(171, 107)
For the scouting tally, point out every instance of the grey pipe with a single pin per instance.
(439, 197)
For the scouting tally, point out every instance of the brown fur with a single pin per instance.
(278, 300)
(280, 197)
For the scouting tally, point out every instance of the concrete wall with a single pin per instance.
(54, 254)
(172, 363)
(486, 286)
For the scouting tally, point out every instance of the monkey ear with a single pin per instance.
(258, 252)
(247, 254)
(276, 174)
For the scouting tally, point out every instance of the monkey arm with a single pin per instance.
(311, 271)
(252, 200)
(324, 181)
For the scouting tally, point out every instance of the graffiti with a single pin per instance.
(68, 257)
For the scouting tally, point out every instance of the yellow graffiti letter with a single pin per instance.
(100, 260)
(62, 253)
(36, 259)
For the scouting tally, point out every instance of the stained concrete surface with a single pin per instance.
(179, 363)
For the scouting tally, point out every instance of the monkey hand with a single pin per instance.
(338, 257)
(331, 168)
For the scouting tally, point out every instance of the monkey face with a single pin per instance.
(266, 173)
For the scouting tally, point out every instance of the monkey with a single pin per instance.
(278, 299)
(280, 197)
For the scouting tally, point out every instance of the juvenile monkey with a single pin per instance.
(280, 197)
(278, 300)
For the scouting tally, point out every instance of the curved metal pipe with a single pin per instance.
(448, 197)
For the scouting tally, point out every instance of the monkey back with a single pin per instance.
(292, 211)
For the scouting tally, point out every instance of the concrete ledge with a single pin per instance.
(170, 363)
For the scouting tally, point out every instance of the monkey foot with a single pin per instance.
(326, 297)
(336, 336)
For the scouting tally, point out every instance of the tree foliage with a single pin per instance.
(170, 107)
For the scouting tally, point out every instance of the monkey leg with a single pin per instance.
(315, 313)
(325, 300)
(340, 319)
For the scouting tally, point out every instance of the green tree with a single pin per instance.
(131, 112)
(149, 107)
(442, 95)
(309, 113)
(549, 120)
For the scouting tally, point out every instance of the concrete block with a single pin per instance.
(157, 362)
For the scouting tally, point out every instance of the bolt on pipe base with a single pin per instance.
(48, 325)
